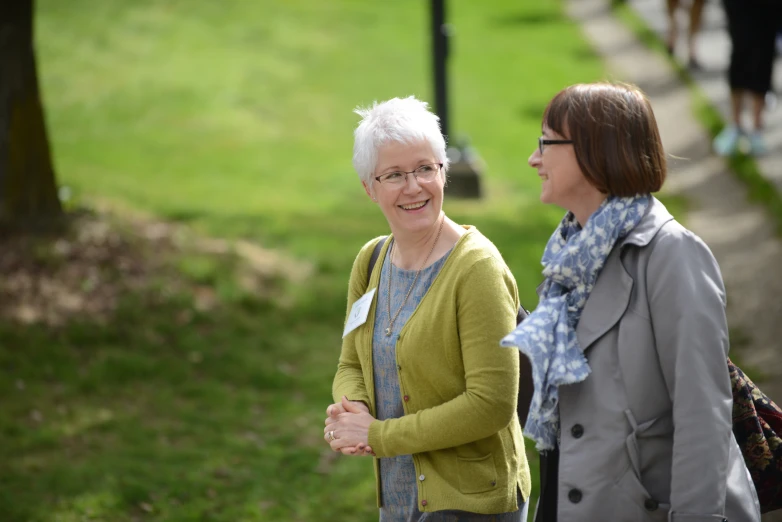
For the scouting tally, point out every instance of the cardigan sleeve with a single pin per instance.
(687, 305)
(487, 303)
(349, 379)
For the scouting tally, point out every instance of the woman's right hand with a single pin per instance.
(333, 412)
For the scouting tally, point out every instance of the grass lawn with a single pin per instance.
(235, 118)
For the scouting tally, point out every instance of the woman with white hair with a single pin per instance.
(422, 383)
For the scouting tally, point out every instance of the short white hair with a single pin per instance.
(398, 120)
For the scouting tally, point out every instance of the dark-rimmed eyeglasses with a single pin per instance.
(542, 141)
(423, 174)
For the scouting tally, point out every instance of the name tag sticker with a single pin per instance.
(359, 312)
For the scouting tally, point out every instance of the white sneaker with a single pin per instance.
(727, 142)
(757, 144)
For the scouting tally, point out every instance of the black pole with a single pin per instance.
(463, 175)
(440, 47)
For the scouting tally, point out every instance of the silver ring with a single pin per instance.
(330, 436)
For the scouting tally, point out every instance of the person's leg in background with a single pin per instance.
(727, 141)
(767, 20)
(759, 82)
(673, 31)
(752, 32)
(696, 13)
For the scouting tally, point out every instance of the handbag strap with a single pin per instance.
(375, 255)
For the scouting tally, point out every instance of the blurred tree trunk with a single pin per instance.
(28, 191)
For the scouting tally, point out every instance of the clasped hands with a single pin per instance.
(347, 427)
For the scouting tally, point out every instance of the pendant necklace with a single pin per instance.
(391, 276)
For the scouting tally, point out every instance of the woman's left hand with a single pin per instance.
(349, 429)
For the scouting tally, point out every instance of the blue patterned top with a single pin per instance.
(398, 484)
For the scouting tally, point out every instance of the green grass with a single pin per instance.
(235, 118)
(759, 188)
(239, 119)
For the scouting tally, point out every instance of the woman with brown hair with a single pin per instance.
(632, 404)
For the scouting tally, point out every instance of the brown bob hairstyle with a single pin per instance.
(615, 136)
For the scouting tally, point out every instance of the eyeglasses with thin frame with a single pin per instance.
(542, 141)
(423, 174)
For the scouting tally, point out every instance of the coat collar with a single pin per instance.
(611, 294)
(656, 216)
(607, 301)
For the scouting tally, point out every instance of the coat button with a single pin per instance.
(422, 477)
(574, 495)
(577, 431)
(407, 398)
(423, 502)
(651, 504)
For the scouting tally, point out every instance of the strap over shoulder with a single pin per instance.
(375, 255)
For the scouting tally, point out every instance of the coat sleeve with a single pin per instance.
(687, 304)
(349, 379)
(487, 302)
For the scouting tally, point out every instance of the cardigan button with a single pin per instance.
(574, 495)
(422, 477)
(651, 504)
(423, 502)
(577, 431)
(407, 398)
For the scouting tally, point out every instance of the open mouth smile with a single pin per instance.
(414, 206)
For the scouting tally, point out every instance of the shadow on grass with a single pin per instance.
(531, 110)
(530, 18)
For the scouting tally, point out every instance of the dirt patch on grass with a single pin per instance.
(100, 255)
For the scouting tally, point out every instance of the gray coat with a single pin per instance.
(647, 436)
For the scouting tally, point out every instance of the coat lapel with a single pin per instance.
(607, 302)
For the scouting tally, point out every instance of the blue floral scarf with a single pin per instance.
(572, 262)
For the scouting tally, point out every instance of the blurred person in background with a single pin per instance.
(632, 408)
(422, 383)
(752, 26)
(695, 15)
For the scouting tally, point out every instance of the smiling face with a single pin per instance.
(412, 206)
(564, 184)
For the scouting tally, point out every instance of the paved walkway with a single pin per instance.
(713, 48)
(739, 233)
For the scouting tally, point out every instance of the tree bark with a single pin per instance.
(28, 190)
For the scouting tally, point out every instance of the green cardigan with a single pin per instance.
(459, 386)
